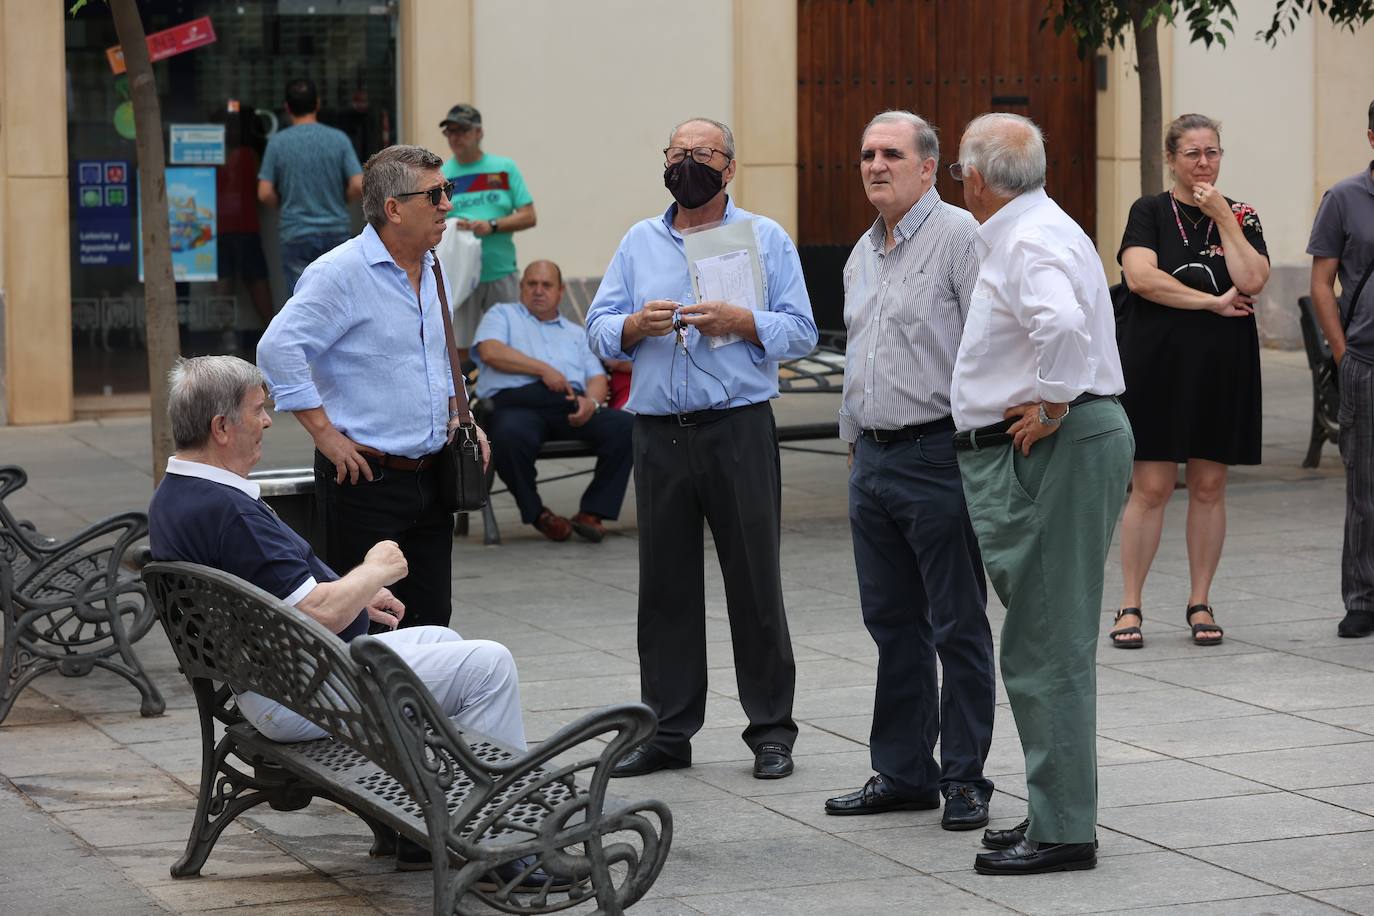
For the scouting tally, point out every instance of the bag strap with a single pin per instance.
(1355, 299)
(460, 387)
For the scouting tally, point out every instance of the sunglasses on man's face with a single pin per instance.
(436, 194)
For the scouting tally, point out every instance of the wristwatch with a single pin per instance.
(492, 224)
(1047, 420)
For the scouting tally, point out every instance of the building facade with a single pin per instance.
(582, 95)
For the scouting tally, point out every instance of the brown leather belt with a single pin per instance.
(397, 462)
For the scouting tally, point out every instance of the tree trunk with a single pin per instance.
(1151, 98)
(160, 294)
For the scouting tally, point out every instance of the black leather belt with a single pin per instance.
(996, 433)
(699, 417)
(907, 433)
(397, 462)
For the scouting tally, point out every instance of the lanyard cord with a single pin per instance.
(1178, 221)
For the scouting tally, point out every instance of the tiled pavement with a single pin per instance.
(1234, 780)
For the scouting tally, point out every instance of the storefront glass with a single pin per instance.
(221, 103)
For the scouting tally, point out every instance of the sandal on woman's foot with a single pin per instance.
(1212, 629)
(1118, 636)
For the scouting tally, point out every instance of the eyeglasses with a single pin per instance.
(703, 154)
(1211, 152)
(436, 194)
(456, 131)
(956, 171)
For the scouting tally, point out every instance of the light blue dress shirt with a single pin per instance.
(560, 343)
(651, 263)
(355, 340)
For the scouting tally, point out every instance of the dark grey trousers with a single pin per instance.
(725, 473)
(1357, 452)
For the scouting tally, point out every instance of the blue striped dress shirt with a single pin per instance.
(904, 310)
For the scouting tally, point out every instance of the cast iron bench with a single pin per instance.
(396, 761)
(1326, 396)
(70, 606)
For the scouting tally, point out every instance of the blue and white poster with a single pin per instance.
(196, 144)
(104, 214)
(191, 213)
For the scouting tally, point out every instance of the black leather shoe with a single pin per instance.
(647, 759)
(1356, 624)
(1031, 858)
(513, 875)
(876, 797)
(411, 856)
(966, 808)
(1005, 839)
(772, 761)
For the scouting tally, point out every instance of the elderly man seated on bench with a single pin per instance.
(206, 511)
(544, 383)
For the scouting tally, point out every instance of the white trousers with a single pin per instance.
(473, 680)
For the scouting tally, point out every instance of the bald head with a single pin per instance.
(1008, 150)
(541, 289)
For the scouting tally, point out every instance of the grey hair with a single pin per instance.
(1011, 161)
(722, 127)
(204, 387)
(927, 140)
(394, 170)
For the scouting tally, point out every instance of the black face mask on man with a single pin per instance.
(692, 183)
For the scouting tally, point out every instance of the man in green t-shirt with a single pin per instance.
(491, 200)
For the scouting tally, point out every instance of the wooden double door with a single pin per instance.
(948, 61)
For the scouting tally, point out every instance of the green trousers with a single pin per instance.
(1044, 523)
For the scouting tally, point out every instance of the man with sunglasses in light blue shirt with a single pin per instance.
(706, 450)
(358, 354)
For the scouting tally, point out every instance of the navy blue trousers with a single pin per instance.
(923, 594)
(527, 417)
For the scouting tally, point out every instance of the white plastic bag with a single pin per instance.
(460, 255)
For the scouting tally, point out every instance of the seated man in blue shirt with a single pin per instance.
(206, 511)
(546, 384)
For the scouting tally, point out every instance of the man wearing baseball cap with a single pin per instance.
(491, 200)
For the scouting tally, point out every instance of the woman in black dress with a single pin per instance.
(1194, 261)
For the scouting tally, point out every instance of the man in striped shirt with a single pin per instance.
(921, 586)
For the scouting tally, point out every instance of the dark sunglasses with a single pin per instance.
(436, 193)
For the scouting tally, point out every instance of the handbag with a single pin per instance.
(462, 478)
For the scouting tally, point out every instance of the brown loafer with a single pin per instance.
(588, 526)
(553, 527)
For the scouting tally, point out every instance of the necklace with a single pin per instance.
(1178, 221)
(1195, 223)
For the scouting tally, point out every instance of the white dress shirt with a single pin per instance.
(1040, 324)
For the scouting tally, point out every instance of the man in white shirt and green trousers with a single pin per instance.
(1045, 451)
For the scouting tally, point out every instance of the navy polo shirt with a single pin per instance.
(207, 515)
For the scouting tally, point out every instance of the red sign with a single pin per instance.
(161, 45)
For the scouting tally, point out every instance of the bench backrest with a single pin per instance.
(227, 631)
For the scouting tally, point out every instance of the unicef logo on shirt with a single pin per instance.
(493, 197)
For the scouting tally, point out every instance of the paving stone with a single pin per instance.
(49, 872)
(934, 850)
(1157, 877)
(165, 820)
(1267, 905)
(1358, 899)
(1237, 819)
(901, 895)
(1356, 798)
(69, 791)
(1233, 735)
(1303, 768)
(770, 864)
(1301, 864)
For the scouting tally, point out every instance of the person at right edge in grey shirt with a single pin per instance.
(1342, 244)
(921, 586)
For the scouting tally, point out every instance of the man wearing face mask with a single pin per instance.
(705, 448)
